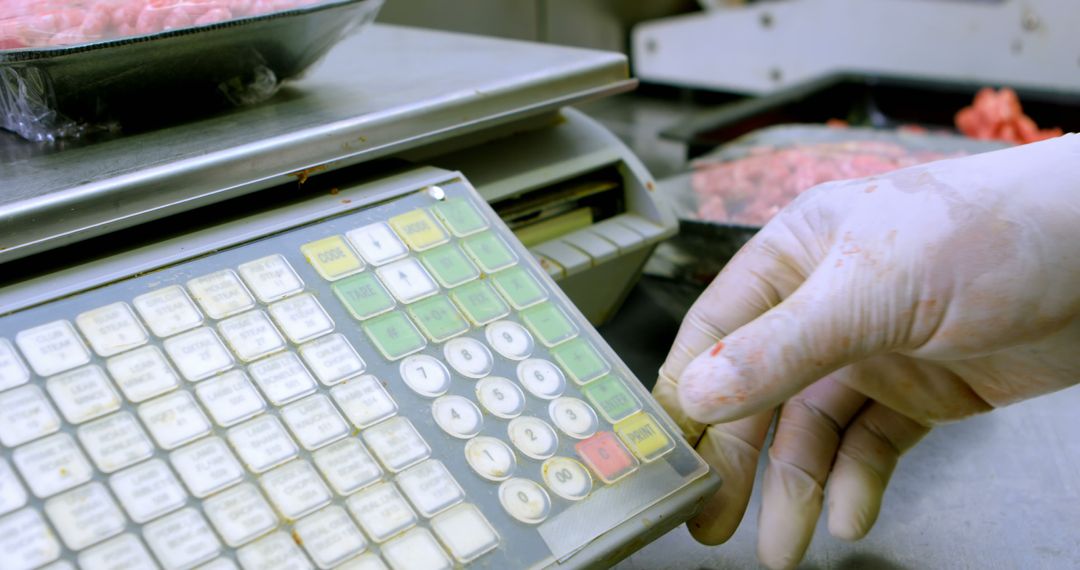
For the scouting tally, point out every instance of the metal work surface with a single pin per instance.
(383, 91)
(1000, 490)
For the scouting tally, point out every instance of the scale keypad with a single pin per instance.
(395, 388)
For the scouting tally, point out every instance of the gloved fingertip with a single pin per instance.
(854, 500)
(711, 390)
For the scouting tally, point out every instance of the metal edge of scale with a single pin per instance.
(60, 216)
(652, 521)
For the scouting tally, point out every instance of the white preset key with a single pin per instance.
(396, 443)
(26, 414)
(198, 354)
(52, 348)
(465, 532)
(381, 511)
(369, 561)
(206, 466)
(377, 243)
(509, 339)
(347, 466)
(26, 541)
(240, 515)
(168, 311)
(302, 318)
(525, 500)
(270, 278)
(230, 398)
(468, 356)
(112, 329)
(282, 378)
(364, 401)
(425, 375)
(330, 536)
(430, 487)
(414, 550)
(181, 540)
(115, 441)
(143, 373)
(12, 370)
(490, 458)
(277, 551)
(332, 359)
(220, 294)
(541, 378)
(457, 416)
(148, 490)
(125, 552)
(407, 280)
(220, 564)
(85, 516)
(574, 417)
(500, 397)
(83, 394)
(295, 489)
(174, 419)
(251, 335)
(533, 436)
(262, 443)
(567, 478)
(12, 493)
(52, 465)
(314, 421)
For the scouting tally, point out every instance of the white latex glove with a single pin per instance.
(869, 311)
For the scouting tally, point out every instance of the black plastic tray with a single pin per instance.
(148, 81)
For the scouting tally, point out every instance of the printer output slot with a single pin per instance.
(554, 210)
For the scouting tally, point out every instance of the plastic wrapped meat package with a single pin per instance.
(71, 67)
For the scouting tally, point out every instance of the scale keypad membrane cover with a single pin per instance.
(397, 386)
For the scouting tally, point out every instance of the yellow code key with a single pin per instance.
(332, 257)
(418, 229)
(645, 438)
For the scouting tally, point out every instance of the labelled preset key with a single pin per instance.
(115, 441)
(329, 536)
(295, 488)
(111, 329)
(12, 493)
(148, 490)
(251, 335)
(198, 354)
(83, 394)
(26, 541)
(270, 278)
(220, 294)
(396, 443)
(314, 421)
(85, 516)
(301, 318)
(416, 548)
(282, 378)
(262, 443)
(466, 532)
(364, 401)
(52, 348)
(230, 398)
(174, 419)
(142, 373)
(240, 514)
(271, 552)
(381, 511)
(347, 466)
(430, 487)
(25, 415)
(168, 311)
(332, 359)
(13, 371)
(206, 466)
(182, 539)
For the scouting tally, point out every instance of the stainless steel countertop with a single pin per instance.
(382, 91)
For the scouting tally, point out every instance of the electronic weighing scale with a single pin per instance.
(326, 331)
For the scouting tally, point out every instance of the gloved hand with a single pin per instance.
(869, 311)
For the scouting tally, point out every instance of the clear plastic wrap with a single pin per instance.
(69, 68)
